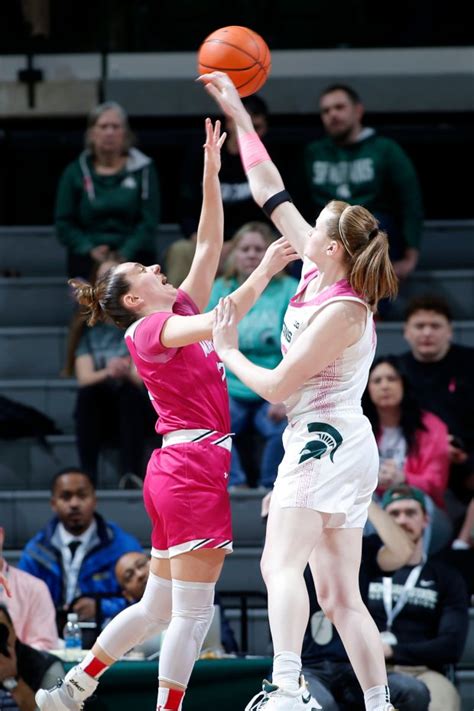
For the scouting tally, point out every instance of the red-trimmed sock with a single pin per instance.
(93, 666)
(169, 699)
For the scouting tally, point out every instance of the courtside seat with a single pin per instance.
(464, 680)
(29, 463)
(241, 571)
(35, 251)
(32, 351)
(247, 524)
(447, 244)
(454, 285)
(54, 397)
(35, 301)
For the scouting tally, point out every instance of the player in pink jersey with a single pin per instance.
(185, 490)
(330, 467)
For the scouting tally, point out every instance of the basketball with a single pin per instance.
(239, 52)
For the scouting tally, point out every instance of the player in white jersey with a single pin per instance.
(330, 467)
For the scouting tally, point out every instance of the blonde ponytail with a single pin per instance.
(371, 272)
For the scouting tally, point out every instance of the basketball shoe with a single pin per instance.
(67, 695)
(274, 698)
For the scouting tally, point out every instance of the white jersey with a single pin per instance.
(339, 387)
(331, 457)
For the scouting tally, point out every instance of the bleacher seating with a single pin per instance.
(35, 309)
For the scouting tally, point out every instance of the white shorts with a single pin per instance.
(329, 467)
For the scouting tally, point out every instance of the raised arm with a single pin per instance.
(397, 547)
(264, 178)
(198, 283)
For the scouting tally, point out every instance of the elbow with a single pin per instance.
(404, 552)
(275, 393)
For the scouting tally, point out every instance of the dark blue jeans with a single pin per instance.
(335, 686)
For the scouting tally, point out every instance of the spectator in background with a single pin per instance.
(23, 669)
(108, 198)
(427, 603)
(132, 574)
(259, 339)
(76, 553)
(112, 403)
(413, 444)
(354, 164)
(239, 206)
(326, 666)
(131, 571)
(430, 630)
(30, 606)
(440, 374)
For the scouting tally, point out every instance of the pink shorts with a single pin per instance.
(185, 495)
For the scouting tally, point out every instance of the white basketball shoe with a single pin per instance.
(67, 695)
(274, 698)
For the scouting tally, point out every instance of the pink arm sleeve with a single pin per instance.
(252, 150)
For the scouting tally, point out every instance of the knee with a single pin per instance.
(409, 693)
(328, 606)
(267, 568)
(156, 614)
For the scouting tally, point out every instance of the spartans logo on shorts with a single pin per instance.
(327, 442)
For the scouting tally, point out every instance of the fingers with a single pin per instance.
(208, 128)
(213, 134)
(224, 313)
(219, 79)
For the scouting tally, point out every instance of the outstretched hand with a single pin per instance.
(213, 145)
(222, 89)
(224, 331)
(278, 255)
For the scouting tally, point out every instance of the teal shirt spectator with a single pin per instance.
(103, 342)
(259, 330)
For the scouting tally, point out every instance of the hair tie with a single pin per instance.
(373, 233)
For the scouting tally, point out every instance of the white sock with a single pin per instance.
(169, 699)
(287, 670)
(93, 666)
(377, 698)
(81, 684)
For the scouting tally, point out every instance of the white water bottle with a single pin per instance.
(72, 636)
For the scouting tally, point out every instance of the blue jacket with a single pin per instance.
(42, 558)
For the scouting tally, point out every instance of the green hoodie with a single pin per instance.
(374, 172)
(120, 210)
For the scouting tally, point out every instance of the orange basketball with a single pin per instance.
(239, 52)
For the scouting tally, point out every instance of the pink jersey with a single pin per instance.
(187, 385)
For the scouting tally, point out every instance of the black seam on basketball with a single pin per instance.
(230, 69)
(234, 46)
(250, 34)
(241, 86)
(267, 50)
